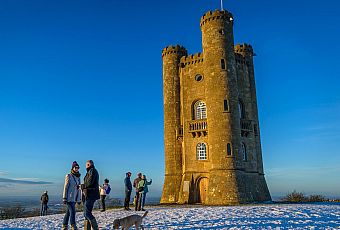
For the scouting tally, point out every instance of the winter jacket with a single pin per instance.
(91, 184)
(144, 184)
(103, 188)
(72, 192)
(146, 188)
(140, 186)
(44, 198)
(128, 185)
(136, 181)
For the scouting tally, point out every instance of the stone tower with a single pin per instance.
(211, 131)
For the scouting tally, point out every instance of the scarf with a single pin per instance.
(76, 174)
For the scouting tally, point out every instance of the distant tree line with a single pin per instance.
(299, 197)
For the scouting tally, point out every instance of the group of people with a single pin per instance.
(141, 187)
(75, 192)
(89, 192)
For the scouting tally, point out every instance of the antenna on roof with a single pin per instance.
(221, 4)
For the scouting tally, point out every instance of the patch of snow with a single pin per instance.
(273, 216)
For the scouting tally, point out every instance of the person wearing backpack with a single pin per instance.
(44, 201)
(104, 190)
(71, 196)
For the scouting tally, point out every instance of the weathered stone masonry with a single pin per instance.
(211, 130)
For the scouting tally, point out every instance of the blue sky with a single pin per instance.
(82, 80)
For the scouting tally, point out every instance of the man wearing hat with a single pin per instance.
(128, 189)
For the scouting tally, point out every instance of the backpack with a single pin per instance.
(108, 190)
(44, 198)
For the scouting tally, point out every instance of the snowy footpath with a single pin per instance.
(271, 216)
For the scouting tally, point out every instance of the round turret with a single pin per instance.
(177, 50)
(171, 92)
(216, 15)
(220, 87)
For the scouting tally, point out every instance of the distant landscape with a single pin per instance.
(31, 204)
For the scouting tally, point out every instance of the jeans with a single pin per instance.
(70, 213)
(143, 200)
(140, 201)
(88, 207)
(127, 198)
(102, 201)
(43, 211)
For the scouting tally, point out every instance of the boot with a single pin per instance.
(94, 224)
(87, 225)
(65, 227)
(74, 227)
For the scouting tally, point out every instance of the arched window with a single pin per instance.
(200, 110)
(244, 151)
(241, 109)
(201, 150)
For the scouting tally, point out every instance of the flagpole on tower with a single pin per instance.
(221, 4)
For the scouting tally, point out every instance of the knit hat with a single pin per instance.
(74, 164)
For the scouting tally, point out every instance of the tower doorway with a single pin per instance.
(202, 190)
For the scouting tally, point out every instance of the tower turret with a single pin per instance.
(172, 128)
(224, 123)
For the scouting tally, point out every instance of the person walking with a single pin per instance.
(44, 201)
(91, 194)
(145, 190)
(135, 184)
(128, 189)
(104, 191)
(71, 196)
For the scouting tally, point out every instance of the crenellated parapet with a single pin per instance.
(179, 50)
(216, 15)
(191, 59)
(245, 50)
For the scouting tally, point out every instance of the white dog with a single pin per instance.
(129, 221)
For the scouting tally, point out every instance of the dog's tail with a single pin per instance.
(145, 214)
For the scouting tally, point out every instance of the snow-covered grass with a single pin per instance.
(271, 216)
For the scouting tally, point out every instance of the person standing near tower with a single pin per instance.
(91, 194)
(128, 189)
(143, 188)
(135, 184)
(71, 196)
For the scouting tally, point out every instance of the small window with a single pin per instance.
(222, 64)
(226, 106)
(201, 151)
(241, 109)
(256, 131)
(228, 149)
(244, 151)
(198, 77)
